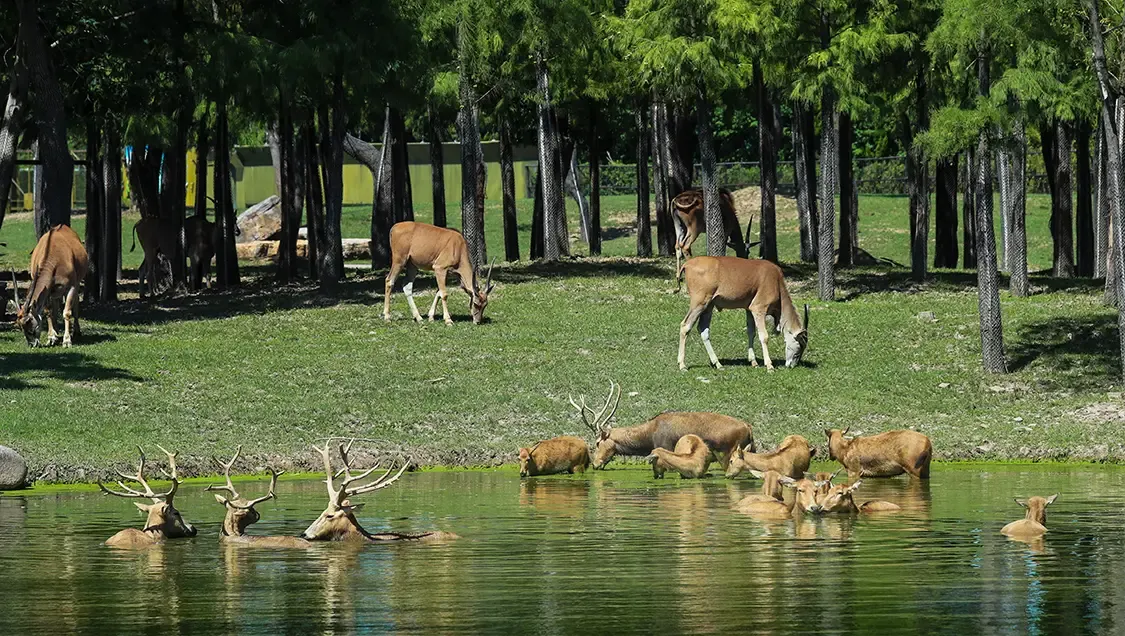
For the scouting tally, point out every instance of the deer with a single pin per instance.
(791, 459)
(691, 222)
(690, 458)
(884, 455)
(1034, 523)
(159, 238)
(241, 513)
(839, 500)
(771, 489)
(564, 454)
(200, 240)
(58, 266)
(338, 522)
(721, 433)
(163, 522)
(757, 286)
(417, 246)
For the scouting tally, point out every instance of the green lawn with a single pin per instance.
(277, 369)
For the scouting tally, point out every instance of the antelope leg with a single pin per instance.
(705, 334)
(396, 268)
(685, 328)
(71, 320)
(763, 335)
(750, 339)
(408, 289)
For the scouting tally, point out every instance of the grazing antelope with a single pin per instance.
(564, 454)
(725, 282)
(690, 458)
(338, 522)
(163, 522)
(241, 513)
(721, 433)
(58, 265)
(791, 459)
(1034, 523)
(691, 221)
(839, 499)
(884, 455)
(159, 240)
(771, 490)
(417, 246)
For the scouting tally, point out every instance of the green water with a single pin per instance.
(609, 553)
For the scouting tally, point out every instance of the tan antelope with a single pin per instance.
(1034, 523)
(241, 513)
(690, 458)
(771, 489)
(417, 246)
(791, 459)
(725, 282)
(338, 522)
(58, 265)
(691, 221)
(722, 433)
(884, 455)
(839, 500)
(163, 522)
(564, 454)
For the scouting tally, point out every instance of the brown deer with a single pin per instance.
(1034, 523)
(771, 489)
(839, 499)
(791, 459)
(163, 522)
(159, 240)
(564, 454)
(200, 238)
(758, 287)
(338, 522)
(690, 458)
(721, 433)
(884, 455)
(691, 222)
(241, 513)
(58, 265)
(417, 246)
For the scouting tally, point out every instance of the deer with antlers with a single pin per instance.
(241, 513)
(417, 246)
(164, 521)
(338, 522)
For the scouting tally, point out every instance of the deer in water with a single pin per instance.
(1034, 523)
(338, 522)
(725, 282)
(691, 222)
(58, 265)
(163, 522)
(839, 499)
(791, 459)
(417, 246)
(241, 513)
(771, 490)
(564, 454)
(690, 458)
(721, 433)
(884, 455)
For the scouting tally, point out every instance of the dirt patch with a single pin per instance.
(1101, 412)
(748, 201)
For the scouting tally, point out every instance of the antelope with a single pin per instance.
(163, 522)
(338, 522)
(565, 454)
(690, 458)
(884, 455)
(1034, 523)
(159, 237)
(417, 246)
(791, 459)
(58, 265)
(691, 222)
(241, 513)
(200, 240)
(721, 433)
(725, 282)
(839, 499)
(771, 490)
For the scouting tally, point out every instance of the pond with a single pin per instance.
(610, 552)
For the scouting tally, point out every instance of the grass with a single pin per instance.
(276, 369)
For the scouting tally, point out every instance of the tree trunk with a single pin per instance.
(716, 232)
(665, 228)
(644, 223)
(202, 151)
(826, 276)
(172, 195)
(1063, 219)
(14, 113)
(969, 214)
(95, 198)
(536, 251)
(548, 152)
(109, 255)
(400, 156)
(804, 169)
(508, 192)
(437, 167)
(681, 148)
(289, 193)
(988, 283)
(314, 199)
(382, 168)
(564, 151)
(1004, 179)
(595, 229)
(481, 256)
(768, 143)
(945, 222)
(1084, 216)
(849, 217)
(1101, 203)
(1017, 213)
(226, 255)
(331, 269)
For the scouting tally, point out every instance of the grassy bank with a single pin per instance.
(276, 369)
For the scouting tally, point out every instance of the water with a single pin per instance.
(615, 552)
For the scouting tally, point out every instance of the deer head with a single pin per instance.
(240, 512)
(599, 424)
(836, 442)
(806, 497)
(839, 498)
(163, 518)
(1037, 508)
(337, 522)
(526, 462)
(796, 342)
(480, 297)
(738, 461)
(28, 319)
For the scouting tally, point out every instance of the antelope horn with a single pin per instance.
(488, 280)
(15, 288)
(806, 325)
(846, 431)
(534, 447)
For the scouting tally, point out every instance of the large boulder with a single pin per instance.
(13, 469)
(262, 222)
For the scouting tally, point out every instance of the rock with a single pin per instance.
(927, 316)
(262, 222)
(13, 469)
(943, 385)
(356, 248)
(303, 233)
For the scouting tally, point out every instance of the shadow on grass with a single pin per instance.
(860, 281)
(65, 367)
(1078, 352)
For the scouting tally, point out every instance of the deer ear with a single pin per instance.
(854, 487)
(787, 481)
(11, 307)
(354, 507)
(1022, 502)
(1051, 499)
(145, 508)
(812, 451)
(221, 499)
(758, 474)
(828, 433)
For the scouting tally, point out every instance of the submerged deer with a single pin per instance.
(771, 493)
(563, 454)
(338, 522)
(58, 266)
(163, 522)
(1034, 523)
(241, 513)
(417, 246)
(690, 458)
(725, 282)
(839, 499)
(722, 433)
(790, 459)
(884, 455)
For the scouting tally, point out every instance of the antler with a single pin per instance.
(338, 497)
(140, 479)
(274, 474)
(600, 418)
(226, 473)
